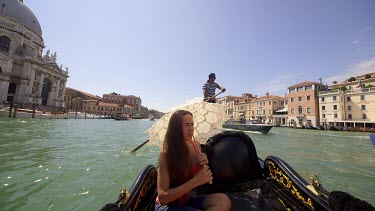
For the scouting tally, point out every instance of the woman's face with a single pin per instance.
(187, 127)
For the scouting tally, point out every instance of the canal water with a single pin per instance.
(81, 164)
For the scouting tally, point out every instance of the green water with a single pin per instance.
(80, 164)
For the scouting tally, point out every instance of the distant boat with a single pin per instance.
(120, 118)
(254, 125)
(152, 118)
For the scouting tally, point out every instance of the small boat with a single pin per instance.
(249, 181)
(120, 118)
(252, 125)
(310, 127)
(152, 118)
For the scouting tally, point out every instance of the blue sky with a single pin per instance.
(163, 51)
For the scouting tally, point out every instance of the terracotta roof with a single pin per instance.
(108, 104)
(89, 100)
(306, 83)
(353, 82)
(268, 97)
(87, 94)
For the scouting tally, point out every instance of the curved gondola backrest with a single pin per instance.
(233, 158)
(143, 191)
(303, 196)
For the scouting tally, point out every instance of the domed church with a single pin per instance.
(26, 75)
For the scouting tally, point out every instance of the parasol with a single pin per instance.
(208, 121)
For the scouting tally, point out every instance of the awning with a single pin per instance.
(282, 110)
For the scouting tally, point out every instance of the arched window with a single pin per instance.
(4, 44)
(299, 109)
(1, 70)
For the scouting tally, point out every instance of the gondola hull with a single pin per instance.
(240, 173)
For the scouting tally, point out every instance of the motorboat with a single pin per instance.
(253, 125)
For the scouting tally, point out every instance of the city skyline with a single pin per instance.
(164, 51)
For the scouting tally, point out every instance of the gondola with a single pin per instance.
(250, 182)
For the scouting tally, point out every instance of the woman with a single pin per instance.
(183, 167)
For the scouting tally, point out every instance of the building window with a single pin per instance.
(300, 110)
(269, 112)
(299, 89)
(363, 116)
(363, 107)
(348, 98)
(269, 102)
(274, 102)
(335, 116)
(308, 110)
(4, 44)
(264, 103)
(349, 108)
(334, 98)
(308, 87)
(322, 99)
(323, 108)
(323, 115)
(334, 107)
(292, 110)
(292, 99)
(292, 90)
(308, 98)
(362, 97)
(349, 116)
(300, 99)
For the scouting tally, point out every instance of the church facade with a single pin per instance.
(26, 75)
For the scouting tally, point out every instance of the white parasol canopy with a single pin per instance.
(208, 121)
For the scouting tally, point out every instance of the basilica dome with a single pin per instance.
(18, 11)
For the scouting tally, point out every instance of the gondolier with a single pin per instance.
(209, 89)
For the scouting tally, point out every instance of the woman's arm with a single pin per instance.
(166, 194)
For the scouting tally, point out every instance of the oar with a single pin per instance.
(216, 94)
(372, 138)
(137, 148)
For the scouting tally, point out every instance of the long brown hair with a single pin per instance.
(175, 149)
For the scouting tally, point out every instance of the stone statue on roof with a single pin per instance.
(47, 55)
(54, 57)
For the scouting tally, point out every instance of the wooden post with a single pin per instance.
(15, 111)
(33, 110)
(85, 114)
(10, 108)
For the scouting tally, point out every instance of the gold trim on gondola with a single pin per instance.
(278, 175)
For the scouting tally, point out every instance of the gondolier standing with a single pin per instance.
(210, 87)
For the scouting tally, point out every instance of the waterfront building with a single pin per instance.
(106, 109)
(349, 104)
(74, 99)
(303, 104)
(242, 107)
(264, 108)
(122, 100)
(228, 102)
(156, 114)
(27, 76)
